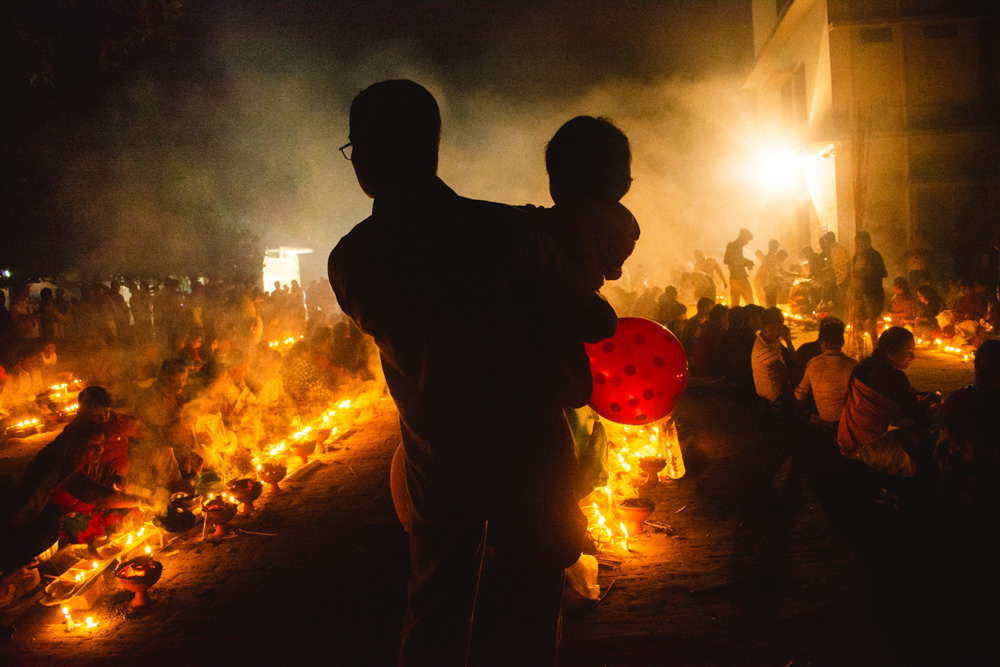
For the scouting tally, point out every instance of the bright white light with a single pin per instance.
(779, 169)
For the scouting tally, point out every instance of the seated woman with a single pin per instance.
(56, 483)
(879, 396)
(929, 304)
(902, 308)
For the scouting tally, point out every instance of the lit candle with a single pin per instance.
(69, 619)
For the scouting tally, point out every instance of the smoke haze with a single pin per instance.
(239, 126)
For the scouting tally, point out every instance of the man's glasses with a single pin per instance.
(347, 149)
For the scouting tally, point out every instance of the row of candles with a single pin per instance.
(269, 454)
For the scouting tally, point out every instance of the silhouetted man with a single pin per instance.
(739, 283)
(460, 334)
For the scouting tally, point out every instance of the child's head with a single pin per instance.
(588, 159)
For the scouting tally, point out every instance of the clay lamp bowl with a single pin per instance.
(652, 465)
(220, 512)
(304, 449)
(185, 500)
(245, 491)
(137, 576)
(634, 511)
(271, 474)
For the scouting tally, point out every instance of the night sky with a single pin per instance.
(227, 119)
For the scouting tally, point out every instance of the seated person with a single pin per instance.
(967, 455)
(707, 356)
(50, 362)
(828, 374)
(803, 355)
(771, 361)
(163, 448)
(692, 327)
(303, 379)
(669, 311)
(24, 382)
(929, 304)
(58, 481)
(902, 308)
(879, 396)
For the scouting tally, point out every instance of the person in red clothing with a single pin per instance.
(879, 395)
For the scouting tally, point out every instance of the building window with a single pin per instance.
(875, 35)
(940, 30)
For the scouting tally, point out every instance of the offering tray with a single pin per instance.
(79, 577)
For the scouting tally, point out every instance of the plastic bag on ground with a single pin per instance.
(583, 575)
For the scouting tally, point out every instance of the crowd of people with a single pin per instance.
(857, 394)
(185, 384)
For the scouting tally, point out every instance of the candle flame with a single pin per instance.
(91, 623)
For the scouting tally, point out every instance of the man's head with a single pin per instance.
(588, 159)
(703, 306)
(95, 405)
(395, 133)
(771, 324)
(173, 374)
(897, 345)
(831, 333)
(863, 241)
(827, 240)
(773, 245)
(745, 236)
(27, 358)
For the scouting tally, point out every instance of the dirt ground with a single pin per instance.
(771, 550)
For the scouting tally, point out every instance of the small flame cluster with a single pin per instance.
(940, 346)
(279, 449)
(226, 498)
(284, 344)
(27, 423)
(627, 444)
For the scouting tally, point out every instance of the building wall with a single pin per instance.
(915, 83)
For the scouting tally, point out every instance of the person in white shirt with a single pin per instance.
(827, 375)
(770, 359)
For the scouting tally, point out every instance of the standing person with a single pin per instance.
(396, 274)
(839, 262)
(739, 283)
(868, 271)
(768, 276)
(705, 270)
